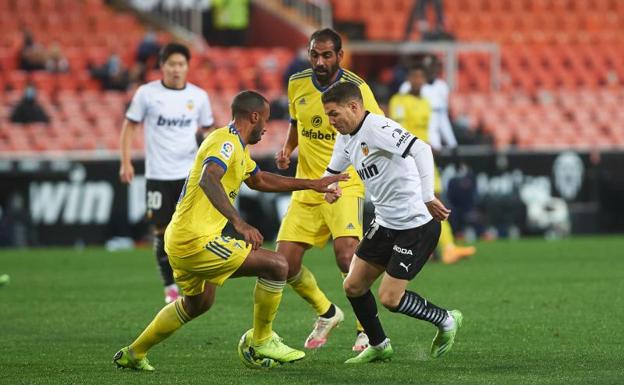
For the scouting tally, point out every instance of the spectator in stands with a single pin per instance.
(419, 12)
(148, 51)
(231, 20)
(112, 74)
(56, 62)
(32, 55)
(28, 110)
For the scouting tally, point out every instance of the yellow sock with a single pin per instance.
(358, 325)
(305, 285)
(168, 320)
(267, 297)
(446, 236)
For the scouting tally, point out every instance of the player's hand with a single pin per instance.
(438, 211)
(328, 184)
(126, 173)
(332, 197)
(251, 235)
(282, 160)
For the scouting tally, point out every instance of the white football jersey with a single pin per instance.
(379, 151)
(171, 118)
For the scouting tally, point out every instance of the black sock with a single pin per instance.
(330, 312)
(365, 310)
(416, 306)
(161, 259)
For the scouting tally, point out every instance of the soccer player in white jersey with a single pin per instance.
(397, 171)
(176, 116)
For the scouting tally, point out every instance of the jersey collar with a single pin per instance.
(320, 87)
(361, 123)
(233, 130)
(162, 82)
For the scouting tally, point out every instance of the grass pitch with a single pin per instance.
(535, 312)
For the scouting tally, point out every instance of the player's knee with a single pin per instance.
(344, 261)
(352, 288)
(293, 269)
(389, 299)
(195, 308)
(278, 268)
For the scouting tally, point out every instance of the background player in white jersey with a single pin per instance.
(439, 135)
(176, 117)
(397, 171)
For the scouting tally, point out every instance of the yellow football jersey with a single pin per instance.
(315, 135)
(411, 112)
(196, 220)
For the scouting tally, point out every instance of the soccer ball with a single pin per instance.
(246, 354)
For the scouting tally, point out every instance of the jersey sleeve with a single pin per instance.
(206, 118)
(395, 140)
(219, 149)
(292, 112)
(370, 103)
(138, 106)
(251, 168)
(339, 160)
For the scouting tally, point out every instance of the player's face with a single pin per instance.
(417, 79)
(174, 70)
(324, 60)
(261, 118)
(343, 117)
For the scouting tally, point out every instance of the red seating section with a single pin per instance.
(82, 116)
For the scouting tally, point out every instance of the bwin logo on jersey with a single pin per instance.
(367, 172)
(174, 122)
(401, 250)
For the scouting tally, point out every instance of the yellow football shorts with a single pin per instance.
(313, 224)
(221, 257)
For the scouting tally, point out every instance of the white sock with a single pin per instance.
(382, 345)
(448, 323)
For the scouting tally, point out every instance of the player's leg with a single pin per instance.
(357, 285)
(410, 253)
(271, 269)
(170, 318)
(344, 219)
(302, 227)
(161, 200)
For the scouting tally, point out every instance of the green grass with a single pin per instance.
(535, 313)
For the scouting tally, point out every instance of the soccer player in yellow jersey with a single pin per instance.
(310, 221)
(202, 258)
(413, 112)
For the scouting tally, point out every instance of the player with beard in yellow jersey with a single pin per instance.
(202, 258)
(413, 112)
(310, 220)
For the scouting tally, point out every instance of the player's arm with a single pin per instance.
(126, 170)
(269, 182)
(423, 157)
(338, 163)
(282, 158)
(210, 183)
(206, 120)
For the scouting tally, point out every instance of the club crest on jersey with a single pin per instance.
(227, 149)
(364, 147)
(190, 104)
(317, 121)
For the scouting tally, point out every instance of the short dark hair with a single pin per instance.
(172, 48)
(327, 34)
(341, 93)
(246, 102)
(417, 67)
